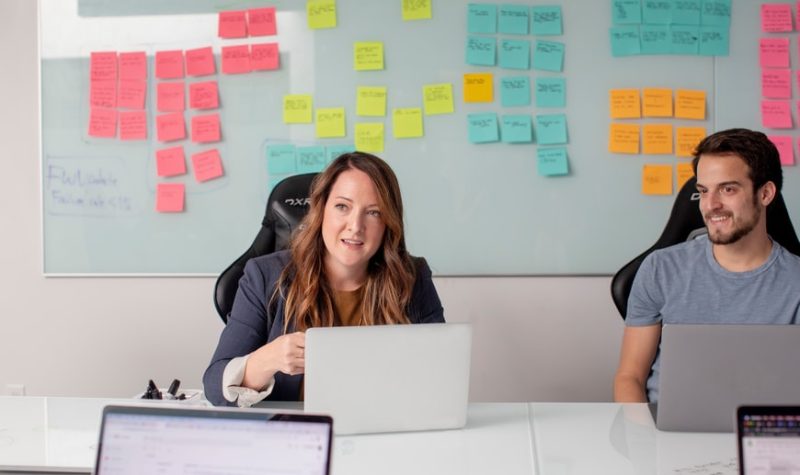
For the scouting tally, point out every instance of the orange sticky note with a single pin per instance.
(686, 139)
(624, 103)
(657, 102)
(170, 197)
(232, 24)
(690, 104)
(133, 66)
(657, 139)
(264, 57)
(170, 97)
(261, 21)
(478, 87)
(204, 95)
(102, 122)
(131, 94)
(684, 172)
(207, 165)
(623, 138)
(235, 59)
(103, 94)
(200, 62)
(169, 64)
(170, 127)
(170, 161)
(205, 128)
(132, 125)
(103, 66)
(657, 180)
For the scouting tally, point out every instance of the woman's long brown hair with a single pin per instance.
(390, 272)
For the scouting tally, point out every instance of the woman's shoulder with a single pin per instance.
(268, 265)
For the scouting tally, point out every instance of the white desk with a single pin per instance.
(60, 435)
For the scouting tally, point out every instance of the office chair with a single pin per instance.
(286, 206)
(685, 223)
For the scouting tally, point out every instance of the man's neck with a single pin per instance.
(746, 254)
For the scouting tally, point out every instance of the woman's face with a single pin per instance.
(352, 226)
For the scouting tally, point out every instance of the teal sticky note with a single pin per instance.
(517, 129)
(655, 39)
(281, 159)
(548, 56)
(552, 161)
(481, 18)
(716, 13)
(546, 20)
(684, 39)
(515, 54)
(714, 41)
(483, 128)
(333, 151)
(625, 41)
(551, 92)
(551, 129)
(626, 12)
(513, 19)
(481, 51)
(515, 91)
(686, 12)
(311, 159)
(657, 12)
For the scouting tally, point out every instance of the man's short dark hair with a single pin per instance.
(757, 151)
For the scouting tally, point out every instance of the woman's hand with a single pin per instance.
(285, 354)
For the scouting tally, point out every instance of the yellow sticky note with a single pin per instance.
(330, 122)
(369, 137)
(686, 139)
(416, 9)
(478, 87)
(624, 104)
(690, 104)
(623, 138)
(657, 180)
(368, 55)
(297, 109)
(684, 172)
(371, 101)
(321, 14)
(657, 139)
(438, 98)
(657, 102)
(407, 123)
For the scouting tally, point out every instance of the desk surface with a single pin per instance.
(60, 435)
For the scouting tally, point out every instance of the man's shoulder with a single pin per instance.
(681, 252)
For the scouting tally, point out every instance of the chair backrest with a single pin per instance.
(286, 206)
(684, 222)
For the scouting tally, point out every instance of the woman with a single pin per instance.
(348, 265)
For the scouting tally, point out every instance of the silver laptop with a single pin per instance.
(769, 439)
(389, 378)
(707, 371)
(174, 440)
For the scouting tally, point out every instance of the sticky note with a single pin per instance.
(310, 159)
(334, 151)
(204, 95)
(684, 39)
(437, 98)
(684, 172)
(686, 140)
(407, 122)
(416, 10)
(515, 54)
(103, 94)
(297, 108)
(686, 12)
(232, 24)
(656, 12)
(482, 128)
(205, 128)
(481, 18)
(716, 13)
(690, 104)
(133, 66)
(264, 57)
(515, 91)
(321, 14)
(170, 96)
(626, 12)
(207, 165)
(785, 148)
(200, 62)
(102, 122)
(281, 159)
(481, 51)
(170, 197)
(625, 41)
(776, 17)
(657, 180)
(369, 137)
(776, 115)
(103, 66)
(513, 19)
(368, 55)
(552, 161)
(516, 129)
(170, 127)
(131, 94)
(776, 83)
(714, 41)
(170, 161)
(546, 20)
(551, 129)
(624, 104)
(548, 56)
(261, 22)
(655, 39)
(656, 102)
(773, 52)
(371, 101)
(236, 59)
(132, 125)
(551, 92)
(623, 138)
(478, 87)
(657, 139)
(330, 122)
(169, 64)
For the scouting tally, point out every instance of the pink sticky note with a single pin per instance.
(103, 93)
(204, 95)
(133, 66)
(200, 62)
(261, 21)
(102, 122)
(207, 165)
(264, 57)
(132, 125)
(169, 64)
(776, 83)
(774, 52)
(235, 59)
(232, 24)
(170, 97)
(103, 66)
(170, 161)
(131, 94)
(205, 128)
(784, 145)
(170, 197)
(170, 127)
(776, 114)
(776, 17)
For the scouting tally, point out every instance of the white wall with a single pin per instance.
(536, 339)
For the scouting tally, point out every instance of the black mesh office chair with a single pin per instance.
(286, 206)
(685, 222)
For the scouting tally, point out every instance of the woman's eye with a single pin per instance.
(340, 206)
(375, 213)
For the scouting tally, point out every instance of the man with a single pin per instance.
(735, 274)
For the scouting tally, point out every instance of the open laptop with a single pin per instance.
(174, 440)
(389, 378)
(707, 371)
(768, 439)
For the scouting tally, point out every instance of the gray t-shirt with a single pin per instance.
(685, 284)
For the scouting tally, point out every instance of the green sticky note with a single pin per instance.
(686, 12)
(546, 20)
(551, 129)
(655, 39)
(551, 92)
(483, 128)
(658, 12)
(714, 41)
(684, 39)
(515, 91)
(552, 161)
(311, 159)
(625, 41)
(716, 13)
(333, 151)
(481, 18)
(513, 19)
(626, 12)
(548, 56)
(481, 51)
(517, 129)
(281, 159)
(515, 54)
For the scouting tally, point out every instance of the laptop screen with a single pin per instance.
(769, 440)
(210, 442)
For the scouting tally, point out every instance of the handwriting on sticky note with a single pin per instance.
(437, 98)
(170, 197)
(132, 125)
(773, 52)
(657, 179)
(515, 91)
(776, 83)
(310, 159)
(625, 103)
(481, 18)
(785, 148)
(321, 14)
(656, 102)
(776, 115)
(548, 56)
(169, 64)
(205, 128)
(657, 139)
(686, 140)
(551, 92)
(416, 9)
(281, 159)
(170, 161)
(684, 172)
(546, 20)
(236, 59)
(102, 122)
(261, 22)
(369, 137)
(368, 55)
(551, 129)
(516, 129)
(407, 122)
(552, 161)
(776, 17)
(103, 66)
(481, 51)
(200, 62)
(330, 122)
(690, 104)
(371, 101)
(478, 87)
(482, 128)
(204, 95)
(623, 138)
(133, 66)
(297, 108)
(103, 94)
(264, 57)
(513, 19)
(515, 54)
(131, 94)
(232, 24)
(170, 96)
(207, 165)
(170, 127)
